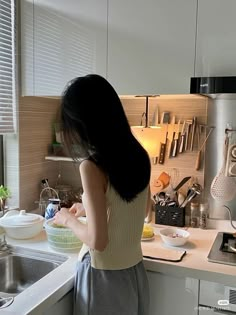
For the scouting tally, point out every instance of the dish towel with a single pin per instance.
(158, 253)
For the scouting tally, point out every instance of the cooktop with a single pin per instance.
(221, 251)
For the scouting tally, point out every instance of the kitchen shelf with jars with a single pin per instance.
(57, 151)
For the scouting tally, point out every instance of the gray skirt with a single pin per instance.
(110, 292)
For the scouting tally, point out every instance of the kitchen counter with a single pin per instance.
(194, 264)
(47, 291)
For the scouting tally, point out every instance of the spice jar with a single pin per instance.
(203, 215)
(194, 214)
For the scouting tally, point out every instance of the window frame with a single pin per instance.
(4, 133)
(2, 178)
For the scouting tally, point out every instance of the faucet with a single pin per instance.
(3, 245)
(2, 212)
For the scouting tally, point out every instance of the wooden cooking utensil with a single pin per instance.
(165, 178)
(157, 186)
(160, 183)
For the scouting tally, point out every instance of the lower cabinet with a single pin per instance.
(216, 298)
(208, 311)
(172, 295)
(63, 307)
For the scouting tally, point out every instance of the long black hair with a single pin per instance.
(94, 125)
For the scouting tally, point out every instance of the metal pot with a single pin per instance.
(21, 225)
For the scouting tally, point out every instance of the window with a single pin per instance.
(7, 73)
(7, 67)
(1, 161)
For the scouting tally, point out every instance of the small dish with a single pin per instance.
(148, 231)
(144, 239)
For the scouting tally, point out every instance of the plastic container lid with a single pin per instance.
(21, 219)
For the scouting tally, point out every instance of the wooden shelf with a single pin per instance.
(58, 158)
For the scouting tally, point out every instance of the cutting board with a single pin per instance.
(153, 250)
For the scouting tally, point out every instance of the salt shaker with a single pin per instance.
(203, 215)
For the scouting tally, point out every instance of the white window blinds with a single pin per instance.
(7, 67)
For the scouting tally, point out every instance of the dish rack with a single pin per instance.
(43, 202)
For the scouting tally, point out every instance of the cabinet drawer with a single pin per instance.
(217, 295)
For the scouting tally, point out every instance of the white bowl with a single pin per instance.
(21, 225)
(174, 236)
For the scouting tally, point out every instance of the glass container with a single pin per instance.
(194, 214)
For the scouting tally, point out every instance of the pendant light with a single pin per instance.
(147, 135)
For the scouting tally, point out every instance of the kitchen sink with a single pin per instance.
(21, 267)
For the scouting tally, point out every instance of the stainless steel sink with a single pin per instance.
(22, 267)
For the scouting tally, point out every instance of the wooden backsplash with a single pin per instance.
(36, 116)
(183, 107)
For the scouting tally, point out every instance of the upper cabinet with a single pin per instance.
(141, 47)
(216, 45)
(151, 45)
(61, 40)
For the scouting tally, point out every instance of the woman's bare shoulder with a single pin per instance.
(92, 173)
(87, 166)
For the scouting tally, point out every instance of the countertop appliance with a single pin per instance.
(221, 251)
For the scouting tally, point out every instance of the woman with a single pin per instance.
(115, 175)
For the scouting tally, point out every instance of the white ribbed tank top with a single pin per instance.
(125, 225)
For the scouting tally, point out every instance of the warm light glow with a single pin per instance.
(148, 138)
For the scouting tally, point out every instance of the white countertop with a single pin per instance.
(49, 289)
(195, 263)
(52, 287)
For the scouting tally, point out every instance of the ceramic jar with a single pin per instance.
(52, 208)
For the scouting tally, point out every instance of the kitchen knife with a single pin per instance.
(181, 183)
(188, 123)
(171, 134)
(182, 138)
(174, 149)
(165, 117)
(155, 118)
(193, 132)
(155, 122)
(164, 120)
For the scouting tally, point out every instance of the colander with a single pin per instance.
(61, 238)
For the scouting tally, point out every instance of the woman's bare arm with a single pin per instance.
(149, 208)
(95, 232)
